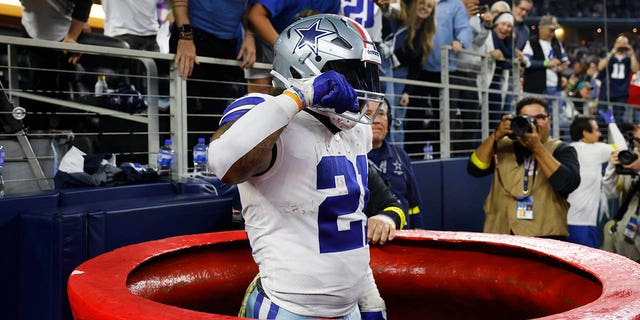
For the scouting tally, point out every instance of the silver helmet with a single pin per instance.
(322, 42)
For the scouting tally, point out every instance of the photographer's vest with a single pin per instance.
(549, 208)
(613, 231)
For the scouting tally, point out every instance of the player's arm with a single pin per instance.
(383, 209)
(254, 162)
(252, 124)
(243, 146)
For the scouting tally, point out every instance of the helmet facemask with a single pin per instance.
(336, 43)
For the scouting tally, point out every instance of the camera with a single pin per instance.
(627, 157)
(622, 49)
(482, 9)
(521, 125)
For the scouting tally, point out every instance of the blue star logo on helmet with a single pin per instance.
(310, 36)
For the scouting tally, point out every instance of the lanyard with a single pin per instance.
(529, 171)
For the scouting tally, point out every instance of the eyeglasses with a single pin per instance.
(541, 117)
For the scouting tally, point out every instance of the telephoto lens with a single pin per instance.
(521, 125)
(627, 157)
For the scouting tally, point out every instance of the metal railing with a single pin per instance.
(165, 86)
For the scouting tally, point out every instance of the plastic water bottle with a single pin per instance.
(1, 166)
(200, 158)
(428, 151)
(101, 86)
(165, 158)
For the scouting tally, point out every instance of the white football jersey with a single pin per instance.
(305, 221)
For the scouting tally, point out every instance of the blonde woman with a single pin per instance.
(412, 44)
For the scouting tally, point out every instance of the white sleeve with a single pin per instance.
(616, 137)
(249, 130)
(610, 182)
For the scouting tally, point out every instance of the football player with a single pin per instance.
(300, 161)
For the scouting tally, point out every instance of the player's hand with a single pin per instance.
(328, 90)
(381, 229)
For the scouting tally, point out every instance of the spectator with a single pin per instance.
(394, 167)
(592, 74)
(531, 170)
(55, 21)
(482, 22)
(521, 10)
(269, 18)
(302, 225)
(412, 43)
(369, 13)
(500, 46)
(583, 212)
(209, 29)
(132, 21)
(615, 71)
(452, 30)
(546, 60)
(47, 20)
(482, 25)
(621, 180)
(582, 103)
(391, 22)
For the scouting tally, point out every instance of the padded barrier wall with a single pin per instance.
(452, 200)
(46, 235)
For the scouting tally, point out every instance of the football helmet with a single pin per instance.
(322, 42)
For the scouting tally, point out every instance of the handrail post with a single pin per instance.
(445, 132)
(178, 121)
(153, 127)
(484, 96)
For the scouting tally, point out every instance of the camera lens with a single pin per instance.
(627, 157)
(521, 125)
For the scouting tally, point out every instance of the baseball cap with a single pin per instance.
(584, 84)
(548, 21)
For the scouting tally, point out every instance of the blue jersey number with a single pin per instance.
(361, 11)
(339, 227)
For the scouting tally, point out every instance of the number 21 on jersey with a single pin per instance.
(339, 227)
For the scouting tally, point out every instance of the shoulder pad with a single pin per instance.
(240, 106)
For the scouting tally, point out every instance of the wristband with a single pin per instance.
(295, 94)
(185, 32)
(398, 211)
(545, 63)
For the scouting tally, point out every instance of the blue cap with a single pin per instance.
(167, 142)
(200, 140)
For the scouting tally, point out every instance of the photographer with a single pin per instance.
(620, 233)
(534, 174)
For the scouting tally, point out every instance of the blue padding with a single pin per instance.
(10, 209)
(51, 246)
(463, 197)
(109, 230)
(429, 178)
(89, 196)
